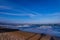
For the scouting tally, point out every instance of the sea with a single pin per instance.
(51, 30)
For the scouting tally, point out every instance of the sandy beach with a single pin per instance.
(20, 35)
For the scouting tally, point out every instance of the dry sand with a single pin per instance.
(20, 35)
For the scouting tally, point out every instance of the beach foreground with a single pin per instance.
(20, 35)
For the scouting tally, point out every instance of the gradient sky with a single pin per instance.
(30, 11)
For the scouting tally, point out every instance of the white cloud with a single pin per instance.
(30, 15)
(54, 14)
(5, 7)
(33, 12)
(27, 12)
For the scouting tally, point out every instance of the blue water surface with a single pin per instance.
(53, 30)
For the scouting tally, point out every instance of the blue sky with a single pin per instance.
(30, 11)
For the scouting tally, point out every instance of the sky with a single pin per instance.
(30, 11)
